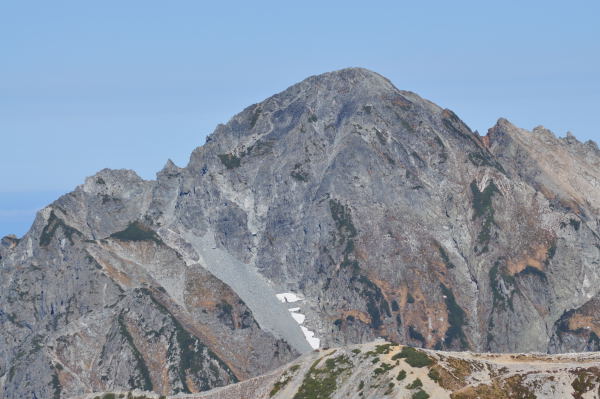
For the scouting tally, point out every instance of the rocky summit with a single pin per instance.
(333, 213)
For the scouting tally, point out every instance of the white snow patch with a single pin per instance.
(288, 297)
(299, 317)
(310, 337)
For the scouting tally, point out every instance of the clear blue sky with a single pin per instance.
(128, 84)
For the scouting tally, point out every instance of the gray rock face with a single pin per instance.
(94, 300)
(383, 211)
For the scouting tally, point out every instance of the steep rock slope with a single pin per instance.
(93, 300)
(384, 214)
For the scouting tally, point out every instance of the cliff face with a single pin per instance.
(379, 213)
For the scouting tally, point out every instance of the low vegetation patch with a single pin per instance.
(342, 218)
(420, 394)
(136, 231)
(510, 388)
(283, 381)
(434, 374)
(575, 224)
(456, 319)
(482, 159)
(401, 375)
(389, 389)
(321, 382)
(482, 205)
(414, 357)
(383, 368)
(383, 349)
(54, 222)
(230, 161)
(585, 382)
(416, 384)
(56, 387)
(299, 175)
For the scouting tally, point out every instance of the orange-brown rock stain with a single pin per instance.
(357, 314)
(535, 257)
(585, 322)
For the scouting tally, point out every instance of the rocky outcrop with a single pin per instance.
(382, 213)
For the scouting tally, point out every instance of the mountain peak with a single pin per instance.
(322, 101)
(371, 211)
(352, 74)
(357, 81)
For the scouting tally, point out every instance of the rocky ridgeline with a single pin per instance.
(384, 370)
(385, 213)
